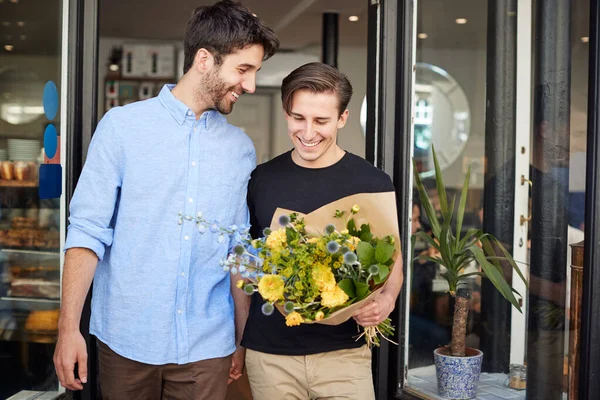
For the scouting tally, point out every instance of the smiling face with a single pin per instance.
(313, 122)
(222, 85)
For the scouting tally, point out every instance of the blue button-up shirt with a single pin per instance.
(159, 294)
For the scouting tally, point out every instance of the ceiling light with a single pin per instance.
(14, 1)
(21, 23)
(422, 36)
(113, 67)
(461, 21)
(5, 24)
(585, 39)
(8, 47)
(353, 18)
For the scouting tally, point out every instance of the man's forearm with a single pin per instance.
(78, 273)
(395, 280)
(242, 308)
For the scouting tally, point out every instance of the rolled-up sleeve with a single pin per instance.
(93, 203)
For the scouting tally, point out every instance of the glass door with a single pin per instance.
(32, 118)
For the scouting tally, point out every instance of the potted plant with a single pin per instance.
(458, 367)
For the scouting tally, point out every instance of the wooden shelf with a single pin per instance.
(18, 184)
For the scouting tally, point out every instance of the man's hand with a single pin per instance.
(71, 349)
(237, 364)
(376, 311)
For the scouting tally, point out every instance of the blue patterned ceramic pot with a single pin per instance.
(457, 377)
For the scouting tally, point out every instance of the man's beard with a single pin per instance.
(213, 92)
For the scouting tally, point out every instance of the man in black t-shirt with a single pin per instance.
(313, 361)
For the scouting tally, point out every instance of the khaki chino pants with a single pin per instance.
(336, 375)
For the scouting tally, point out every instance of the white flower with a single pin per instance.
(201, 228)
(199, 214)
(221, 238)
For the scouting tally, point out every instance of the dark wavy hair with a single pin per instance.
(224, 28)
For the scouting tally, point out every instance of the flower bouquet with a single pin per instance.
(323, 266)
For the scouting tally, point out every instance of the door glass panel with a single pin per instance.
(30, 79)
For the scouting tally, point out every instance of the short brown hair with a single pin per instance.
(222, 29)
(316, 77)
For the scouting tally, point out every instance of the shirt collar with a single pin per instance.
(180, 111)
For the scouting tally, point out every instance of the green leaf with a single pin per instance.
(347, 285)
(351, 226)
(431, 259)
(366, 236)
(495, 276)
(439, 183)
(362, 290)
(511, 261)
(290, 235)
(471, 233)
(366, 253)
(426, 202)
(383, 251)
(462, 205)
(427, 238)
(383, 273)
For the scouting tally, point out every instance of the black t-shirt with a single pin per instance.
(282, 183)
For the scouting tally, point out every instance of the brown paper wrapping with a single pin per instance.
(376, 209)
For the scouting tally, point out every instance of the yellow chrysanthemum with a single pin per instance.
(276, 239)
(323, 277)
(271, 287)
(312, 240)
(293, 319)
(240, 284)
(334, 298)
(319, 315)
(353, 242)
(344, 231)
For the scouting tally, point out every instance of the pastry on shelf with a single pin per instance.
(45, 321)
(36, 288)
(7, 170)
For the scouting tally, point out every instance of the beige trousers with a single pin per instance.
(336, 375)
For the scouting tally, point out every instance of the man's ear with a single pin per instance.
(204, 60)
(342, 119)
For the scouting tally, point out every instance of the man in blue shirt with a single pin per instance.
(161, 308)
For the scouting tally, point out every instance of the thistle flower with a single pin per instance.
(350, 258)
(239, 250)
(344, 249)
(329, 229)
(293, 319)
(249, 289)
(374, 269)
(333, 246)
(289, 307)
(284, 220)
(266, 231)
(267, 308)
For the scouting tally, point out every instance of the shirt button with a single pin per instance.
(193, 163)
(179, 311)
(186, 237)
(190, 113)
(190, 200)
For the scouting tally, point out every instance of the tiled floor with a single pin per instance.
(491, 386)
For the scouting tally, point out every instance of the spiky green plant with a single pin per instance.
(456, 252)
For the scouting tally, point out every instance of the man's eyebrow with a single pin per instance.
(249, 66)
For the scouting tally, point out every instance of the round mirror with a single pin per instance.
(442, 118)
(20, 96)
